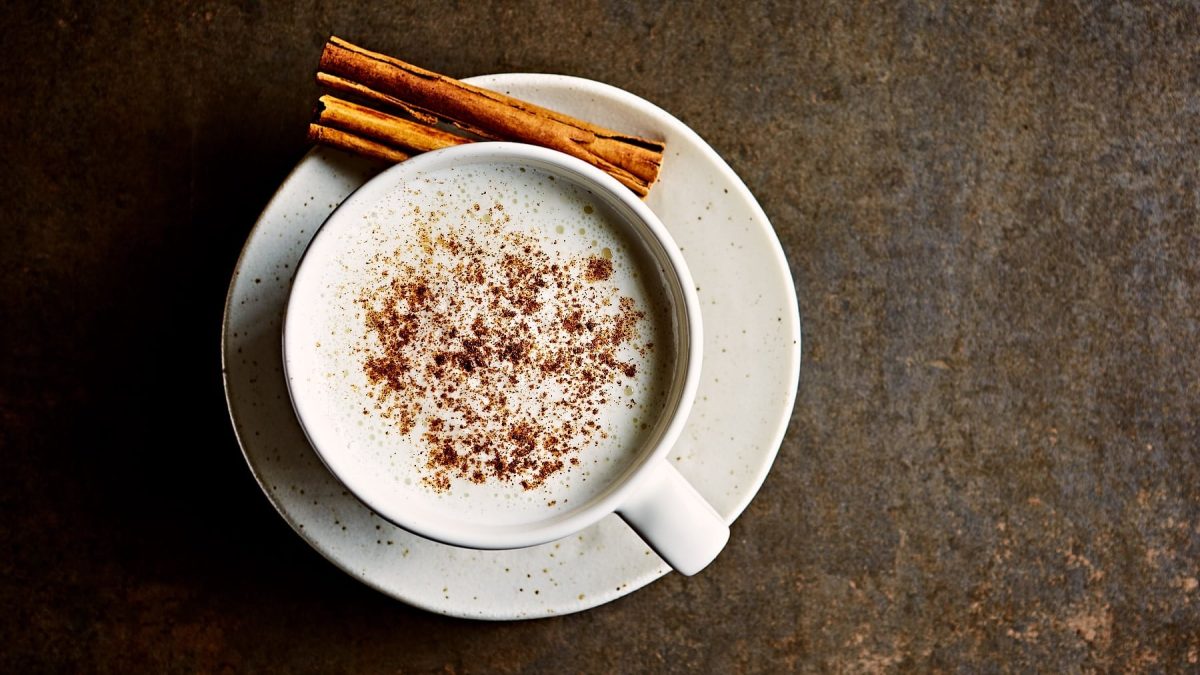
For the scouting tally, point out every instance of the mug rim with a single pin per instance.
(689, 356)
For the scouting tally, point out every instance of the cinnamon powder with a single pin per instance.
(501, 360)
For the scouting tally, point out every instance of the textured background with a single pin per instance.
(991, 215)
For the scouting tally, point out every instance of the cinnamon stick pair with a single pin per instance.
(427, 100)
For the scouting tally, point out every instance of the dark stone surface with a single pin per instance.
(992, 217)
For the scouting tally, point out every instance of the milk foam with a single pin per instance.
(567, 223)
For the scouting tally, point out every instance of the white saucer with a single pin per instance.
(747, 389)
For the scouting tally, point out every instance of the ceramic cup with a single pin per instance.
(651, 495)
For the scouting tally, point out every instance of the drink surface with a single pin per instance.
(490, 344)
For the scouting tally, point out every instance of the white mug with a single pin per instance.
(652, 496)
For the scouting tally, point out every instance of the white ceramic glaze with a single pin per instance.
(669, 514)
(743, 404)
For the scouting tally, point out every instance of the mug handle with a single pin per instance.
(679, 524)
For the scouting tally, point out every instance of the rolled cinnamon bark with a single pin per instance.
(632, 160)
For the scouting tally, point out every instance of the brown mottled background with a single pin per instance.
(992, 218)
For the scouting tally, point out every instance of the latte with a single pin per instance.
(491, 342)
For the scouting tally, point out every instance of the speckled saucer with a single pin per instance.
(747, 388)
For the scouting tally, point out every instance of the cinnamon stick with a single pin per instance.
(387, 129)
(342, 140)
(633, 161)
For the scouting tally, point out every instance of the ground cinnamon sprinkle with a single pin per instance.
(499, 360)
(599, 269)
